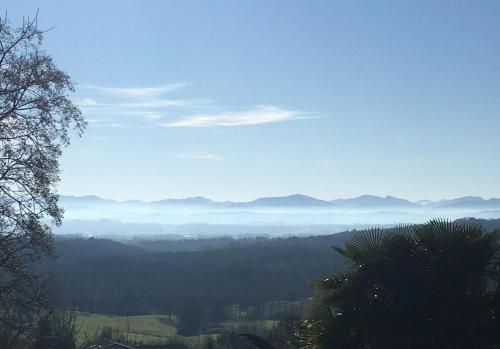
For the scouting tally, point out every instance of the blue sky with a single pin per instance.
(239, 99)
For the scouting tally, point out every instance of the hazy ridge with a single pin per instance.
(268, 216)
(297, 200)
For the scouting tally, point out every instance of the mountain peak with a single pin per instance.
(374, 201)
(194, 200)
(293, 200)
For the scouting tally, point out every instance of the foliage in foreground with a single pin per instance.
(55, 331)
(36, 117)
(430, 286)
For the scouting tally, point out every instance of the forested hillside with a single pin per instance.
(105, 276)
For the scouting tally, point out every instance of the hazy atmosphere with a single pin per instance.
(216, 174)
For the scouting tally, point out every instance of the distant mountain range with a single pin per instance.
(374, 201)
(298, 201)
(469, 201)
(197, 201)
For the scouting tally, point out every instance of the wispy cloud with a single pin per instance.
(200, 156)
(148, 106)
(87, 102)
(261, 114)
(156, 103)
(148, 91)
(158, 107)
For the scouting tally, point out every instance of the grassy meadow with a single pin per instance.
(155, 329)
(139, 328)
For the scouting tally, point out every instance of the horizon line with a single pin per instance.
(278, 196)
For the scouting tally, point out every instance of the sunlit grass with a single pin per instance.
(139, 328)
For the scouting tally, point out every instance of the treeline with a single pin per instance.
(104, 276)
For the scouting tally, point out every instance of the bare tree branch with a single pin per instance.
(36, 117)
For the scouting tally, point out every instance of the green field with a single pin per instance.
(154, 329)
(246, 326)
(140, 328)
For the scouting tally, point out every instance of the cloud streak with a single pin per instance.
(148, 91)
(146, 107)
(200, 156)
(262, 114)
(140, 107)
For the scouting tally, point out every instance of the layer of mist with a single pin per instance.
(275, 216)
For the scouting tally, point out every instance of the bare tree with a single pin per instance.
(36, 119)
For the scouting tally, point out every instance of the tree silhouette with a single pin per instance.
(428, 286)
(36, 117)
(56, 330)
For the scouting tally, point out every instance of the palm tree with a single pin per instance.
(428, 286)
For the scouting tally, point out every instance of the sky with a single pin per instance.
(235, 100)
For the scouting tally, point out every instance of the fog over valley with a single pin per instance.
(270, 216)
